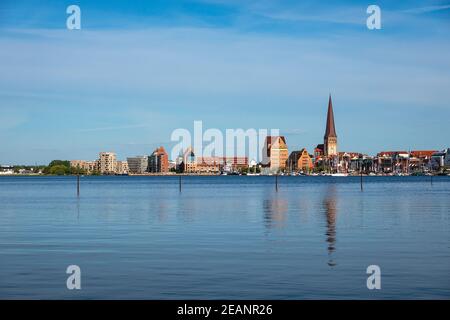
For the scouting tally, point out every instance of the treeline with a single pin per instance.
(62, 167)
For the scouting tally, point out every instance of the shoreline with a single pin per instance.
(222, 175)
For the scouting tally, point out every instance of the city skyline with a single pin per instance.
(273, 156)
(131, 76)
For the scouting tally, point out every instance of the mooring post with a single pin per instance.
(179, 183)
(276, 182)
(431, 179)
(361, 180)
(78, 185)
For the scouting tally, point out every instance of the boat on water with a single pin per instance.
(339, 174)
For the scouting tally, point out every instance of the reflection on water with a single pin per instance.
(275, 210)
(224, 237)
(330, 208)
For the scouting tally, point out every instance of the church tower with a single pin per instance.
(330, 138)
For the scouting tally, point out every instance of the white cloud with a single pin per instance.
(187, 65)
(427, 9)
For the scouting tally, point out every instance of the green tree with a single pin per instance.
(59, 170)
(65, 163)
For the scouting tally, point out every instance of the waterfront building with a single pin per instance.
(189, 164)
(122, 167)
(6, 169)
(208, 165)
(390, 162)
(318, 160)
(299, 161)
(93, 166)
(107, 161)
(138, 164)
(179, 162)
(420, 160)
(447, 159)
(158, 162)
(88, 166)
(349, 162)
(226, 164)
(319, 151)
(172, 165)
(440, 160)
(236, 163)
(275, 153)
(330, 137)
(80, 164)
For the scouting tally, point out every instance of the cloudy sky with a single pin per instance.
(137, 70)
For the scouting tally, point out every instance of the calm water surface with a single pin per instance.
(224, 237)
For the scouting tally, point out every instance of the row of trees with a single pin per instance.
(62, 167)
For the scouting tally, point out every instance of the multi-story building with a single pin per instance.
(275, 153)
(447, 159)
(158, 161)
(189, 164)
(122, 167)
(236, 163)
(349, 162)
(419, 160)
(107, 161)
(440, 160)
(392, 162)
(80, 164)
(88, 166)
(227, 164)
(299, 161)
(208, 165)
(138, 164)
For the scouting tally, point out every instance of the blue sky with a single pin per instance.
(137, 70)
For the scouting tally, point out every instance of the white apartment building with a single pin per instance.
(107, 162)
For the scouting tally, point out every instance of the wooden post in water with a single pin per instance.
(276, 182)
(361, 180)
(179, 183)
(78, 185)
(431, 179)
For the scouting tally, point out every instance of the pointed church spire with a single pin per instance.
(330, 131)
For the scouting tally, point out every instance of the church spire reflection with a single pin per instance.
(330, 208)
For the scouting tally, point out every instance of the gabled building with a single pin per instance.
(188, 164)
(275, 153)
(299, 161)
